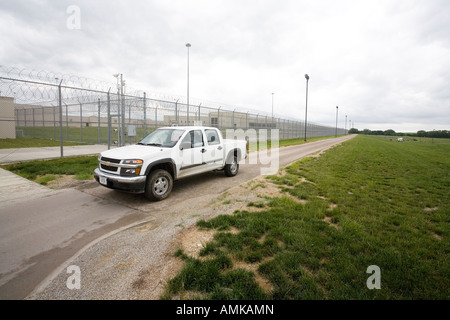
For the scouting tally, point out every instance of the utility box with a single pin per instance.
(131, 130)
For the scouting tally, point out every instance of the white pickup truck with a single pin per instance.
(168, 154)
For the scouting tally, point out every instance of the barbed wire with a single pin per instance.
(54, 78)
(39, 87)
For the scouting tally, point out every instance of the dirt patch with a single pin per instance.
(69, 181)
(191, 240)
(330, 222)
(253, 267)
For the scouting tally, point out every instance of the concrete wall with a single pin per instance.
(7, 119)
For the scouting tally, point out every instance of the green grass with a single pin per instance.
(49, 137)
(369, 201)
(254, 146)
(24, 142)
(84, 135)
(43, 171)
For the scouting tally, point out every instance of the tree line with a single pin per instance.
(390, 132)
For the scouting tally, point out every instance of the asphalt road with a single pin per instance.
(40, 233)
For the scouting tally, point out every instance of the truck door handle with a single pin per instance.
(203, 151)
(219, 148)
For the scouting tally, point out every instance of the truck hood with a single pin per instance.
(136, 152)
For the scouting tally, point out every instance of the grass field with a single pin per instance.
(369, 201)
(44, 171)
(254, 146)
(25, 142)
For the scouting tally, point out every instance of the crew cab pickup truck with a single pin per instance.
(168, 154)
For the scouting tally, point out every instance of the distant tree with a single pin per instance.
(434, 134)
(421, 133)
(353, 130)
(389, 132)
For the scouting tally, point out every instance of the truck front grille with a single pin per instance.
(108, 164)
(110, 160)
(108, 168)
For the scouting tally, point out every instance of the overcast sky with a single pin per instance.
(385, 63)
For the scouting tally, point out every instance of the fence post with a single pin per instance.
(156, 116)
(176, 111)
(34, 134)
(218, 118)
(122, 133)
(54, 123)
(43, 123)
(67, 122)
(98, 121)
(145, 115)
(60, 119)
(109, 119)
(81, 122)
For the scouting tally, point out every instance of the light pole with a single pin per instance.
(306, 109)
(337, 108)
(345, 124)
(272, 105)
(188, 45)
(120, 108)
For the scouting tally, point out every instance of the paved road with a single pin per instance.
(39, 233)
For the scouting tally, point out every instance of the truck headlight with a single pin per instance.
(132, 167)
(130, 171)
(133, 161)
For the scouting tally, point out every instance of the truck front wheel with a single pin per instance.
(159, 185)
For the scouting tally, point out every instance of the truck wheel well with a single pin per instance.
(237, 154)
(164, 166)
(234, 153)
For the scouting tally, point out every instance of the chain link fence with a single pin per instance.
(60, 107)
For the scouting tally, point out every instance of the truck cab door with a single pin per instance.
(191, 151)
(214, 151)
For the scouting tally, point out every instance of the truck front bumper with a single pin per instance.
(128, 184)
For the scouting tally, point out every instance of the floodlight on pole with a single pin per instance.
(337, 108)
(188, 45)
(272, 105)
(306, 109)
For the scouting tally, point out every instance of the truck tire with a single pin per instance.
(231, 169)
(159, 185)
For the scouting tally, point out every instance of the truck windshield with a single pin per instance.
(162, 138)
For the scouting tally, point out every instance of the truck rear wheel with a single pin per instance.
(232, 168)
(159, 185)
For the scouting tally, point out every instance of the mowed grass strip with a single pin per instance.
(43, 171)
(369, 201)
(24, 142)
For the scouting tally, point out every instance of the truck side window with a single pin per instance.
(212, 136)
(195, 137)
(198, 139)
